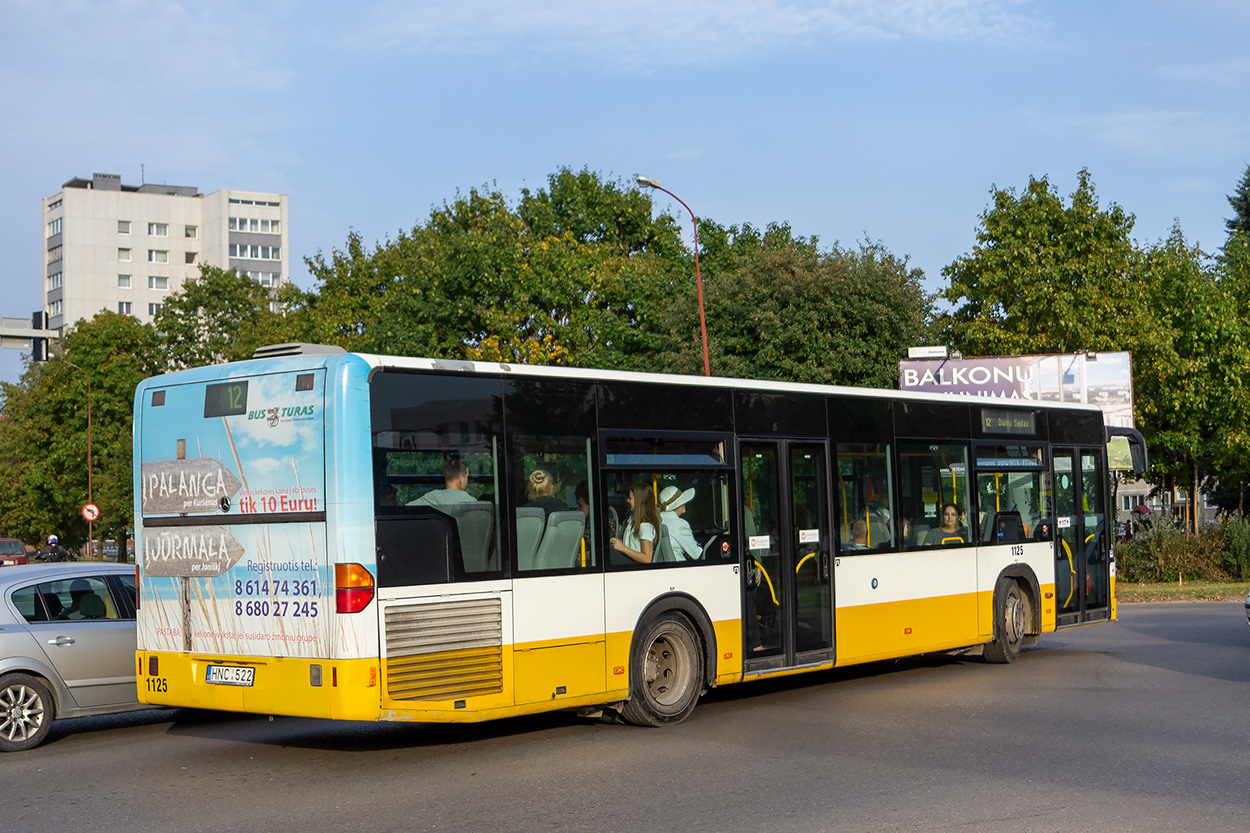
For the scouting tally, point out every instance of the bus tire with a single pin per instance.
(665, 672)
(1011, 622)
(26, 712)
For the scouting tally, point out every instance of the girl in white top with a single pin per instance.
(641, 530)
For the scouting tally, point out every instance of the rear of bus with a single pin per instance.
(254, 538)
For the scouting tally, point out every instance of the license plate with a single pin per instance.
(230, 675)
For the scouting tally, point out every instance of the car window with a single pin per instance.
(11, 546)
(127, 582)
(27, 601)
(84, 597)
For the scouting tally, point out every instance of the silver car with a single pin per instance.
(67, 646)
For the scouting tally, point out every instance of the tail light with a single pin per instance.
(353, 588)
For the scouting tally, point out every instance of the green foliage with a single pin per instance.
(1239, 223)
(43, 439)
(1047, 278)
(782, 308)
(1235, 561)
(1165, 554)
(222, 316)
(575, 274)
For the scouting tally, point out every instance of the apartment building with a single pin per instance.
(126, 248)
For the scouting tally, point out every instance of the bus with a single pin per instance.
(363, 537)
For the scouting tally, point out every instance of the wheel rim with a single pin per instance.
(1014, 619)
(667, 671)
(21, 712)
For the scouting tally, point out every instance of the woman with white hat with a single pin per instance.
(672, 506)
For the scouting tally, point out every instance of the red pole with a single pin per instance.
(698, 277)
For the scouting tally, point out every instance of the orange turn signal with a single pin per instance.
(353, 588)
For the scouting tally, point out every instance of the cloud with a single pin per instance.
(1231, 73)
(647, 33)
(148, 47)
(1158, 133)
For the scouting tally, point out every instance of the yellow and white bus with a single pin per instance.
(366, 537)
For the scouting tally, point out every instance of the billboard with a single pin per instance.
(1102, 379)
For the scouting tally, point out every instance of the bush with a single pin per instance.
(1236, 560)
(1169, 554)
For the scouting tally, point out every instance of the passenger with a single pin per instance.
(582, 495)
(540, 488)
(456, 478)
(859, 536)
(950, 527)
(639, 536)
(77, 590)
(672, 506)
(908, 541)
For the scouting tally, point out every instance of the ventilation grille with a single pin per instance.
(294, 348)
(444, 651)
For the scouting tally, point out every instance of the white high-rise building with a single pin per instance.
(126, 248)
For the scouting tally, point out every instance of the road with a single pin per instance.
(1140, 725)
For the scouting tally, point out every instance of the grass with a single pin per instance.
(1189, 591)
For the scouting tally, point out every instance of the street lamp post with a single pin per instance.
(90, 524)
(648, 182)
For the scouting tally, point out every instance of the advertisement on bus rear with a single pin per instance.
(231, 491)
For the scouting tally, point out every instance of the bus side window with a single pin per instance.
(935, 493)
(865, 495)
(553, 516)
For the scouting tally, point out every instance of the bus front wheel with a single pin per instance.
(665, 673)
(1011, 622)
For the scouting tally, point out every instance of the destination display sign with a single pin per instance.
(175, 487)
(189, 551)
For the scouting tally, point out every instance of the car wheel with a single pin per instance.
(26, 712)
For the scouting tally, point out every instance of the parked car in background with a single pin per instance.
(12, 551)
(67, 646)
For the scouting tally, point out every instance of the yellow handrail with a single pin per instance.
(771, 591)
(1071, 569)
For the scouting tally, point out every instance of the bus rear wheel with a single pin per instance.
(665, 674)
(1011, 622)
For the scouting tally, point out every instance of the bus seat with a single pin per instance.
(475, 522)
(665, 551)
(879, 536)
(91, 606)
(1002, 528)
(561, 542)
(529, 531)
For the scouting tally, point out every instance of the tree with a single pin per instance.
(221, 316)
(43, 438)
(1180, 383)
(575, 274)
(1047, 278)
(1239, 223)
(780, 307)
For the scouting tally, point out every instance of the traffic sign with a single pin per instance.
(91, 512)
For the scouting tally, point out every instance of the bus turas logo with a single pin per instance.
(189, 551)
(185, 486)
(282, 413)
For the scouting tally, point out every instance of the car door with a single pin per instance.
(88, 637)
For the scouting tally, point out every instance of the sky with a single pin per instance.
(849, 120)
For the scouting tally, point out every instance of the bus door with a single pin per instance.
(1082, 574)
(787, 575)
